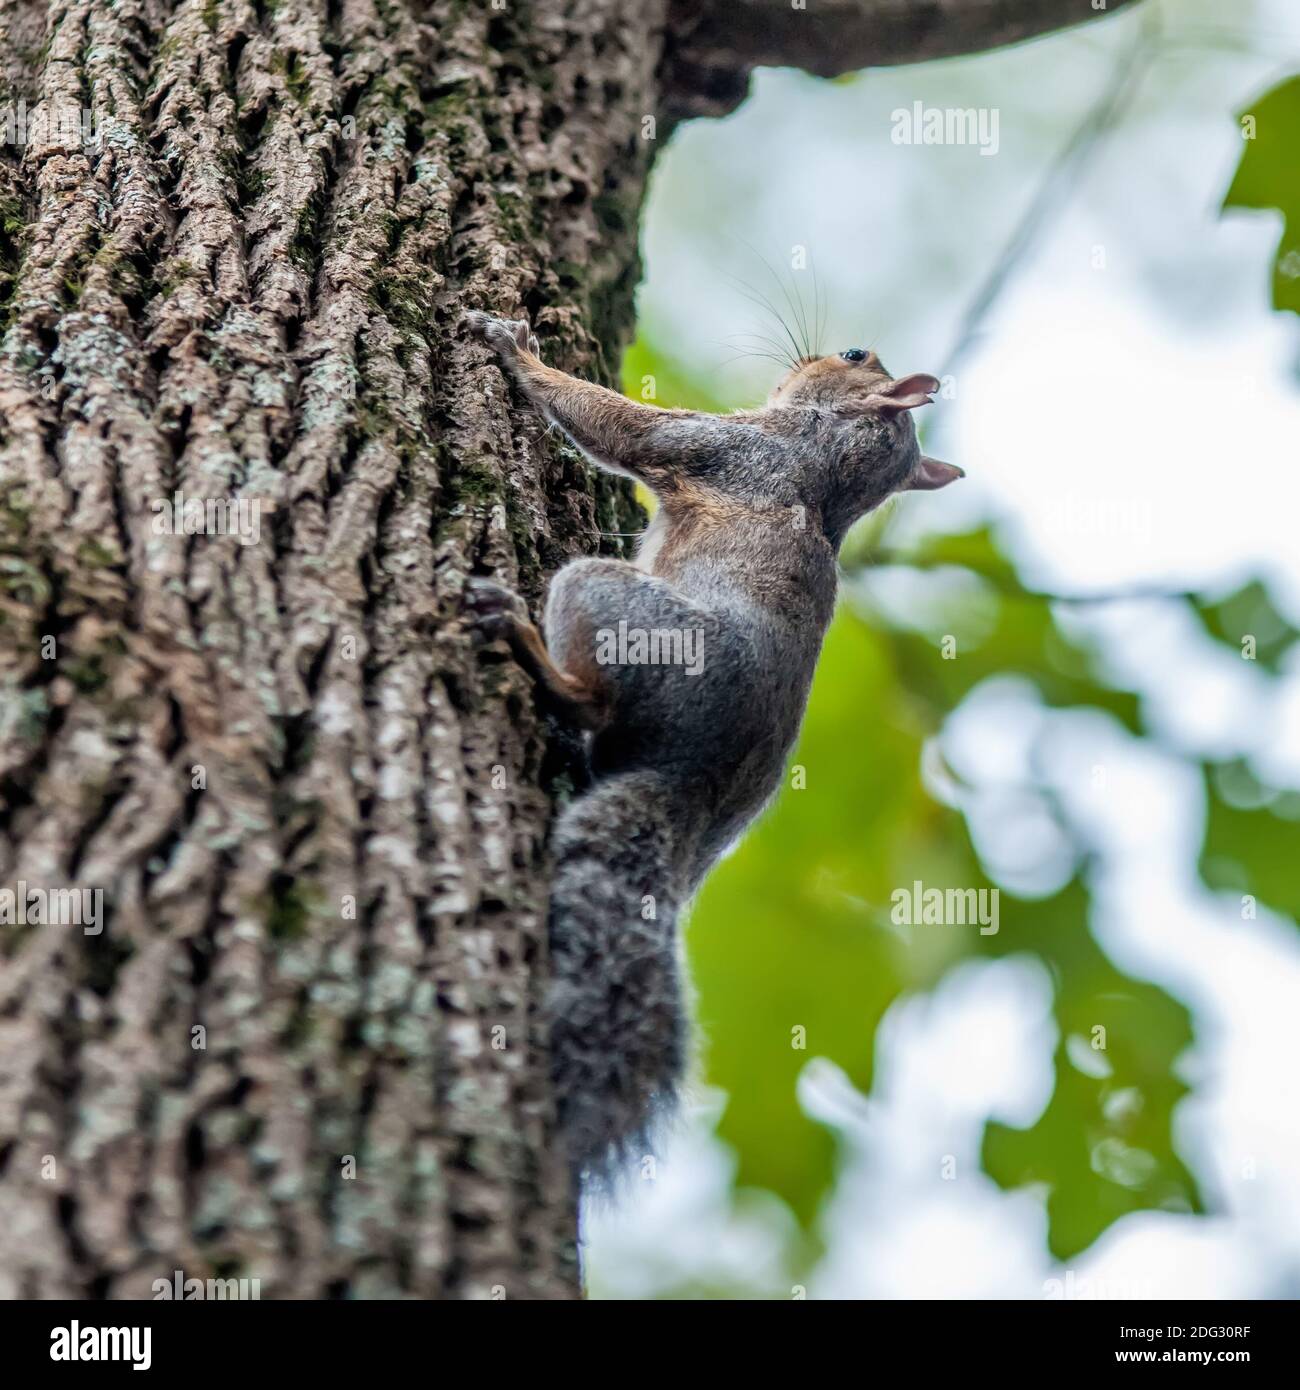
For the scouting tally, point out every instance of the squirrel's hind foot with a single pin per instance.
(493, 608)
(498, 612)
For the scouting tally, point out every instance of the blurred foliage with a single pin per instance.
(1252, 839)
(1252, 836)
(1266, 178)
(793, 951)
(794, 954)
(1249, 616)
(809, 893)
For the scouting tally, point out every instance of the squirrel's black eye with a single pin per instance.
(854, 355)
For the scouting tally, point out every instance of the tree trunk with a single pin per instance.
(301, 1043)
(312, 805)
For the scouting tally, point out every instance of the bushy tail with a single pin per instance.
(618, 1033)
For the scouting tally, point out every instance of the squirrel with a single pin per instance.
(690, 668)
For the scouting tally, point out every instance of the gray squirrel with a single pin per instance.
(738, 572)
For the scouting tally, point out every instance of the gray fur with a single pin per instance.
(743, 551)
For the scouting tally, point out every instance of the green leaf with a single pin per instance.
(1252, 839)
(1269, 177)
(1249, 613)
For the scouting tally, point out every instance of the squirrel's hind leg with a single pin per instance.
(501, 613)
(593, 596)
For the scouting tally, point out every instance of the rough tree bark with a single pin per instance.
(305, 1046)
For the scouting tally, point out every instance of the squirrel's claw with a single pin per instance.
(505, 336)
(477, 322)
(493, 607)
(526, 338)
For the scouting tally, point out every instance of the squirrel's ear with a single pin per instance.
(906, 393)
(930, 473)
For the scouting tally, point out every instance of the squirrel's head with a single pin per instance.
(879, 454)
(852, 380)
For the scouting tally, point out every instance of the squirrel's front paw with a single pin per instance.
(493, 607)
(504, 336)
